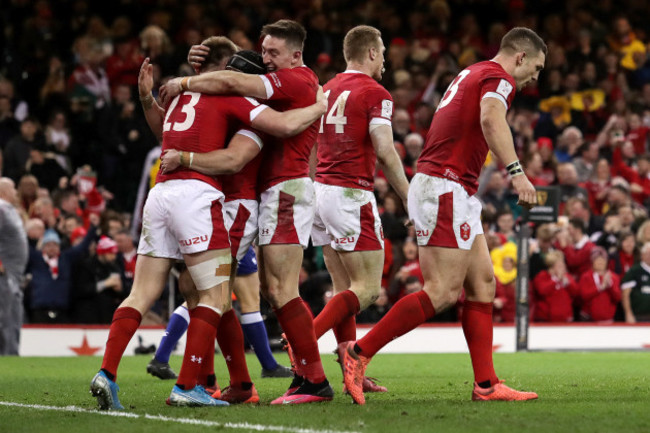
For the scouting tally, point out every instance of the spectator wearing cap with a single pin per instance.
(576, 247)
(51, 269)
(108, 279)
(600, 290)
(635, 288)
(97, 285)
(553, 291)
(549, 161)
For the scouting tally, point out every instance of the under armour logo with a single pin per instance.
(303, 361)
(228, 358)
(265, 231)
(196, 359)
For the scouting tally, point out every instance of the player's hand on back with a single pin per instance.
(525, 190)
(170, 90)
(170, 160)
(197, 56)
(321, 98)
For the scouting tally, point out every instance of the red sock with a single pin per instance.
(407, 314)
(340, 307)
(231, 341)
(346, 330)
(125, 322)
(298, 326)
(207, 367)
(200, 333)
(477, 327)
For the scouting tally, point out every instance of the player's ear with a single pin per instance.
(520, 58)
(372, 53)
(296, 56)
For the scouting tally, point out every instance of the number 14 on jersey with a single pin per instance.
(336, 114)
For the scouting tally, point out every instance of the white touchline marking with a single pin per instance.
(230, 425)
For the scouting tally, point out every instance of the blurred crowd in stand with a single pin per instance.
(74, 141)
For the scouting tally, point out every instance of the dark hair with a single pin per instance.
(578, 223)
(357, 42)
(247, 61)
(411, 279)
(221, 48)
(522, 39)
(291, 31)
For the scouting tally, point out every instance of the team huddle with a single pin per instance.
(238, 141)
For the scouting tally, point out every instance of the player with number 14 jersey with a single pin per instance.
(346, 156)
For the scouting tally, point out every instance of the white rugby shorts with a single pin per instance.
(442, 212)
(287, 213)
(182, 217)
(347, 219)
(240, 217)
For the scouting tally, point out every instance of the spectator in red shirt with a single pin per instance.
(576, 246)
(554, 291)
(599, 290)
(598, 186)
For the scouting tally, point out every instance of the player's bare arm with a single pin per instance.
(153, 112)
(291, 122)
(388, 159)
(240, 151)
(499, 139)
(216, 83)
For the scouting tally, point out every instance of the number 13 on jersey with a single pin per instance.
(452, 89)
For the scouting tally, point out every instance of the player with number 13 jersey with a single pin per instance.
(455, 146)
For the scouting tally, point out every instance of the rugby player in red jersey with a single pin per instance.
(470, 121)
(286, 193)
(355, 134)
(183, 219)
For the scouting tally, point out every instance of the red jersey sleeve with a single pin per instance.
(380, 106)
(283, 85)
(499, 87)
(244, 109)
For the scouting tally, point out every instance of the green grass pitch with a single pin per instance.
(579, 392)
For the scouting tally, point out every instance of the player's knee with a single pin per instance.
(272, 295)
(367, 294)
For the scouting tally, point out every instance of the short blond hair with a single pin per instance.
(357, 42)
(221, 48)
(552, 257)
